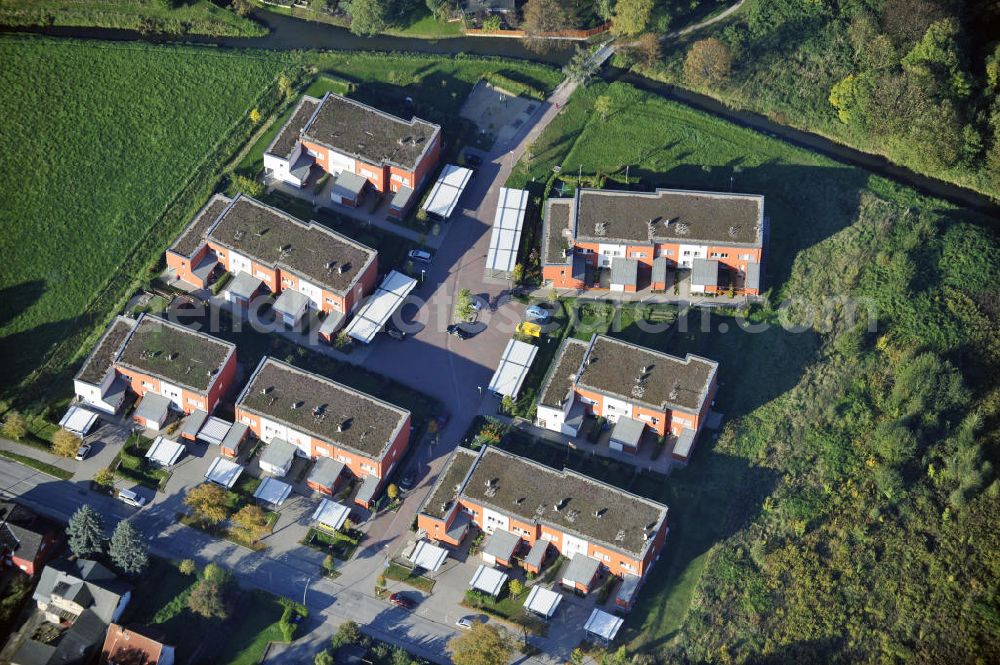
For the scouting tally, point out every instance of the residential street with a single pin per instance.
(431, 361)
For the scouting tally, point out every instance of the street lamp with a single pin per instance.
(422, 273)
(480, 390)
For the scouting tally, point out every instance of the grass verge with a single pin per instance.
(38, 465)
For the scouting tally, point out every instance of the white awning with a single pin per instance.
(603, 625)
(447, 190)
(164, 451)
(79, 420)
(543, 601)
(331, 514)
(377, 309)
(272, 491)
(488, 580)
(514, 365)
(427, 556)
(214, 430)
(224, 472)
(507, 224)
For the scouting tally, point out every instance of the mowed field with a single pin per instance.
(98, 139)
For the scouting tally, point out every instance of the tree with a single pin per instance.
(242, 184)
(631, 17)
(317, 7)
(188, 567)
(577, 656)
(492, 23)
(544, 16)
(347, 633)
(483, 644)
(329, 563)
(392, 491)
(516, 587)
(127, 549)
(842, 98)
(367, 17)
(324, 657)
(221, 576)
(937, 56)
(15, 426)
(85, 532)
(581, 67)
(605, 9)
(401, 657)
(209, 502)
(648, 49)
(241, 7)
(285, 88)
(253, 521)
(463, 305)
(602, 107)
(65, 443)
(507, 404)
(105, 478)
(707, 63)
(518, 275)
(440, 8)
(209, 600)
(255, 116)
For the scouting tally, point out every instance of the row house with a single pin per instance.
(306, 266)
(365, 436)
(636, 389)
(600, 528)
(358, 144)
(168, 366)
(638, 236)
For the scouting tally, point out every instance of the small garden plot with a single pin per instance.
(508, 606)
(230, 514)
(400, 573)
(132, 465)
(341, 544)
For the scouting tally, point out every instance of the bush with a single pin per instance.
(517, 88)
(15, 427)
(188, 567)
(65, 443)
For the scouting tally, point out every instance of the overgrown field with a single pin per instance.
(99, 139)
(195, 17)
(846, 511)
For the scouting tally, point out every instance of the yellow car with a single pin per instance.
(530, 329)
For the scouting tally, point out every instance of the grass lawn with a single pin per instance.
(406, 576)
(197, 17)
(107, 163)
(509, 607)
(38, 465)
(421, 23)
(339, 545)
(133, 465)
(256, 628)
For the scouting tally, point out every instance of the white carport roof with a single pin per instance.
(488, 580)
(543, 601)
(214, 430)
(376, 311)
(507, 224)
(224, 472)
(514, 365)
(164, 451)
(447, 190)
(427, 556)
(272, 491)
(78, 420)
(331, 514)
(603, 625)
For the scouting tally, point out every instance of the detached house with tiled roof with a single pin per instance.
(638, 390)
(168, 366)
(360, 145)
(628, 241)
(307, 266)
(599, 527)
(364, 436)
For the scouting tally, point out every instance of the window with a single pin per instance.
(638, 255)
(193, 402)
(329, 300)
(687, 252)
(344, 459)
(714, 255)
(147, 385)
(548, 536)
(367, 467)
(322, 452)
(286, 281)
(745, 257)
(627, 566)
(724, 255)
(246, 420)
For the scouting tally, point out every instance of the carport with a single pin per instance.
(325, 475)
(153, 411)
(272, 491)
(375, 313)
(330, 515)
(427, 556)
(603, 626)
(447, 190)
(214, 430)
(488, 580)
(580, 573)
(513, 368)
(79, 420)
(500, 547)
(542, 601)
(165, 452)
(277, 457)
(506, 236)
(224, 472)
(193, 424)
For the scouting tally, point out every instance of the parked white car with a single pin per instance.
(131, 498)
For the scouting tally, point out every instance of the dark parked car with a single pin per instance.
(458, 332)
(399, 600)
(473, 160)
(408, 480)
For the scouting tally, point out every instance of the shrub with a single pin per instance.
(513, 87)
(15, 427)
(188, 567)
(65, 443)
